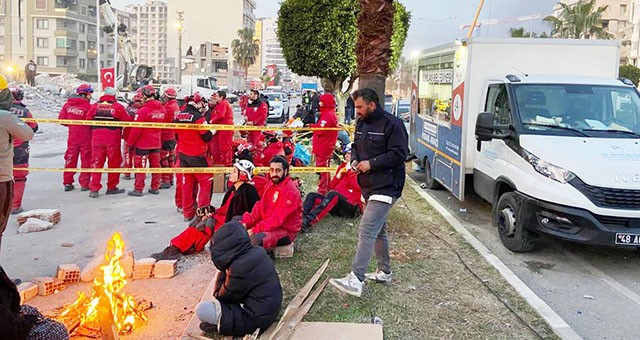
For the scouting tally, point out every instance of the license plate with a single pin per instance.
(628, 239)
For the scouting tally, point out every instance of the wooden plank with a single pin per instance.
(296, 302)
(290, 326)
(337, 331)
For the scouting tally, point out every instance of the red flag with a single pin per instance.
(107, 77)
(272, 70)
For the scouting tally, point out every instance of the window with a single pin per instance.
(41, 5)
(91, 11)
(83, 28)
(61, 61)
(623, 10)
(82, 63)
(42, 24)
(498, 104)
(81, 45)
(83, 10)
(61, 42)
(42, 61)
(42, 42)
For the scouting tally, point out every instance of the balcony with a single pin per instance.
(92, 53)
(66, 32)
(66, 52)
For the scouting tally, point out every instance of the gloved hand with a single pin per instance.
(194, 221)
(206, 223)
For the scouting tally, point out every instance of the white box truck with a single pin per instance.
(544, 130)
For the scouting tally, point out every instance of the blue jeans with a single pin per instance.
(372, 235)
(348, 114)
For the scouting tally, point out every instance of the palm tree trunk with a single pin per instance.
(373, 48)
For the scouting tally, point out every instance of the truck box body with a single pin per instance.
(564, 133)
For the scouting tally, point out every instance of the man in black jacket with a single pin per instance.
(378, 154)
(247, 294)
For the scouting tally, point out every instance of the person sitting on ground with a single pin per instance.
(277, 218)
(247, 291)
(240, 198)
(274, 147)
(342, 200)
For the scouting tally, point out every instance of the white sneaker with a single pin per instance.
(349, 284)
(379, 276)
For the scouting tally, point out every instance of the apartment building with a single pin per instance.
(255, 70)
(270, 46)
(151, 37)
(230, 16)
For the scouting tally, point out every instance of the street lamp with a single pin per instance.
(180, 28)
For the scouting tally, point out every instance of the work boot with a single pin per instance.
(169, 253)
(115, 191)
(208, 327)
(154, 191)
(165, 185)
(306, 224)
(84, 189)
(68, 187)
(94, 194)
(17, 211)
(135, 193)
(179, 210)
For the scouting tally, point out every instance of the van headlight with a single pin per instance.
(547, 169)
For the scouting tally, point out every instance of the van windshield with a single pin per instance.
(592, 110)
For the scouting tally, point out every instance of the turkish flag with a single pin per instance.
(107, 77)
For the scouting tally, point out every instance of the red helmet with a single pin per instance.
(148, 91)
(137, 97)
(269, 134)
(18, 93)
(170, 93)
(84, 88)
(244, 146)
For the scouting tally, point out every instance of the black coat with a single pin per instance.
(382, 140)
(244, 198)
(247, 276)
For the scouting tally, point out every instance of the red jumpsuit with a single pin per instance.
(20, 156)
(192, 153)
(146, 143)
(168, 136)
(277, 218)
(272, 149)
(105, 141)
(257, 112)
(324, 142)
(223, 139)
(78, 141)
(127, 154)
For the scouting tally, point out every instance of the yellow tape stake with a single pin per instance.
(211, 170)
(176, 126)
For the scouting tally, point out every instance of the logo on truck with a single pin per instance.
(627, 177)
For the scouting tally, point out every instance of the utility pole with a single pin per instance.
(180, 27)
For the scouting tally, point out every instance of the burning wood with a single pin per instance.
(86, 316)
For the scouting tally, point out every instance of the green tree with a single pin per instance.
(630, 72)
(582, 20)
(245, 49)
(520, 32)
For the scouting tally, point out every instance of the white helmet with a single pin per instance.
(246, 168)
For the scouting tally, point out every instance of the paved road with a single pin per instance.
(596, 290)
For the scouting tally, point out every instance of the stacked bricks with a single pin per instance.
(27, 290)
(143, 268)
(48, 285)
(165, 269)
(49, 215)
(68, 273)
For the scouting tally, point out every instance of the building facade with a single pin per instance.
(255, 70)
(203, 23)
(151, 29)
(270, 46)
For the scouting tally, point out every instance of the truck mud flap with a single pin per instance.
(443, 171)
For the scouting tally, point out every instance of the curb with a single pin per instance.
(560, 327)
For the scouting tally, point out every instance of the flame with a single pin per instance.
(107, 291)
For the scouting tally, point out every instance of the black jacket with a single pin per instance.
(244, 198)
(382, 140)
(247, 276)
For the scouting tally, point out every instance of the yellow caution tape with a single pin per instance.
(175, 125)
(209, 170)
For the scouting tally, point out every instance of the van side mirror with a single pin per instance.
(486, 130)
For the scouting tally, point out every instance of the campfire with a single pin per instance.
(108, 311)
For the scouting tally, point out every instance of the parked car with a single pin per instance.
(278, 107)
(388, 102)
(401, 109)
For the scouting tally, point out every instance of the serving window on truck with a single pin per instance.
(435, 78)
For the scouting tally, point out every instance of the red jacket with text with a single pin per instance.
(172, 109)
(107, 109)
(324, 142)
(148, 138)
(272, 149)
(257, 112)
(280, 207)
(191, 142)
(345, 182)
(77, 108)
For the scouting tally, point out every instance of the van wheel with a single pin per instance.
(429, 182)
(507, 218)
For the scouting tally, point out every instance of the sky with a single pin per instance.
(436, 22)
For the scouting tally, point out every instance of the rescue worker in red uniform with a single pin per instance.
(79, 139)
(127, 153)
(105, 142)
(324, 141)
(257, 112)
(274, 147)
(146, 141)
(276, 219)
(193, 153)
(344, 198)
(20, 152)
(222, 114)
(240, 198)
(168, 154)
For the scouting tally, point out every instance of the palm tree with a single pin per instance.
(521, 33)
(373, 46)
(245, 49)
(581, 20)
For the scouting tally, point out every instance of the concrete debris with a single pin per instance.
(34, 225)
(91, 270)
(48, 285)
(49, 215)
(27, 290)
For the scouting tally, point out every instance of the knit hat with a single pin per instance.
(110, 91)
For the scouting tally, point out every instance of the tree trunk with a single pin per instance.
(375, 82)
